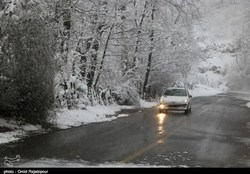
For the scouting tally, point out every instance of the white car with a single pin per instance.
(177, 99)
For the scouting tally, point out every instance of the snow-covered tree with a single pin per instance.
(104, 51)
(239, 76)
(26, 67)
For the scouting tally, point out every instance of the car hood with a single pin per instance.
(174, 99)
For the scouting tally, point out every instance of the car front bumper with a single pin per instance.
(174, 106)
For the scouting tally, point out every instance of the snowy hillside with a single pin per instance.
(221, 21)
(220, 26)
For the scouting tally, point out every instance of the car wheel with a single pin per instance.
(188, 110)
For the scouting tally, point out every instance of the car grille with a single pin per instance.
(177, 105)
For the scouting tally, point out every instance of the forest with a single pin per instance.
(76, 53)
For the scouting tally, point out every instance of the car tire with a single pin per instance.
(188, 110)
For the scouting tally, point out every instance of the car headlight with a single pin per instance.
(161, 106)
(185, 101)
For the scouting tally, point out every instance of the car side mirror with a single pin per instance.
(190, 96)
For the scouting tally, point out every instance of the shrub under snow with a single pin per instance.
(126, 95)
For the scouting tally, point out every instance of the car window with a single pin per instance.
(175, 92)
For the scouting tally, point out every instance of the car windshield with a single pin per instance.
(175, 92)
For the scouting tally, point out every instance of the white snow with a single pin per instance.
(248, 105)
(123, 115)
(16, 130)
(9, 124)
(15, 135)
(72, 118)
(65, 118)
(215, 79)
(145, 104)
(203, 90)
(30, 127)
(46, 162)
(220, 26)
(222, 21)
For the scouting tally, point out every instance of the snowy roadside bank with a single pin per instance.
(203, 91)
(248, 104)
(65, 119)
(11, 130)
(72, 118)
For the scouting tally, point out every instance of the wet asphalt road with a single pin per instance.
(215, 134)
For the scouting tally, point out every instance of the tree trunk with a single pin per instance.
(91, 73)
(93, 60)
(124, 51)
(103, 57)
(145, 84)
(66, 28)
(64, 37)
(83, 47)
(138, 35)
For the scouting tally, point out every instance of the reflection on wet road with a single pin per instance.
(161, 120)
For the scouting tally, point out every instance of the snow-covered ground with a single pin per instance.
(203, 90)
(44, 162)
(248, 105)
(15, 130)
(11, 136)
(93, 114)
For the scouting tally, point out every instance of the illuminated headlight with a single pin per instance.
(185, 101)
(161, 106)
